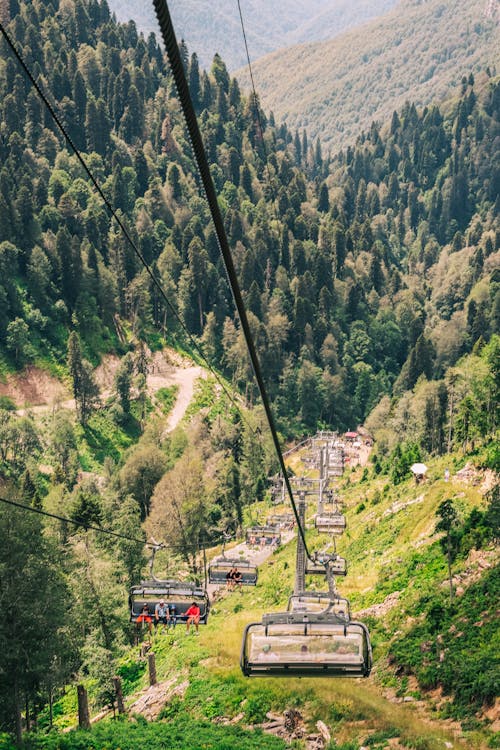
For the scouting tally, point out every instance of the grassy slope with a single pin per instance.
(417, 52)
(386, 553)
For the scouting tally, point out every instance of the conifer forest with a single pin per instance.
(130, 417)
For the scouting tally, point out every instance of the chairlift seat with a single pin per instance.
(305, 645)
(270, 535)
(178, 594)
(330, 523)
(281, 520)
(219, 568)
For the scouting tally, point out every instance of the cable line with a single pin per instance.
(255, 102)
(91, 527)
(115, 216)
(169, 38)
(86, 526)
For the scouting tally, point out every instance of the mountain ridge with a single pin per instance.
(210, 27)
(367, 73)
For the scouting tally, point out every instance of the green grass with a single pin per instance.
(208, 397)
(167, 397)
(182, 734)
(456, 646)
(102, 437)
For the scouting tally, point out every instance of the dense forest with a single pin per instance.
(372, 284)
(359, 274)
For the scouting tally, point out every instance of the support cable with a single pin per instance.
(90, 527)
(115, 216)
(255, 101)
(73, 521)
(172, 48)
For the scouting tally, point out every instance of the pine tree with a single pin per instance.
(85, 389)
(194, 81)
(323, 200)
(29, 491)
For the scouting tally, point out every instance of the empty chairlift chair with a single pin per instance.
(338, 566)
(220, 567)
(330, 523)
(297, 644)
(177, 595)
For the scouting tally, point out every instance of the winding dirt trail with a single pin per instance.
(37, 392)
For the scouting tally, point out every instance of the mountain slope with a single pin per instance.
(418, 51)
(394, 556)
(210, 27)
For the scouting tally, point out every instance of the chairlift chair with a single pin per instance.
(178, 594)
(281, 520)
(310, 644)
(270, 535)
(219, 568)
(330, 523)
(338, 566)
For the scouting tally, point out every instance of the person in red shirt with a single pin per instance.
(145, 617)
(193, 617)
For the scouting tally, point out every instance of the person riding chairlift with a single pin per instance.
(193, 617)
(146, 617)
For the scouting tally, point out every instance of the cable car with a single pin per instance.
(338, 566)
(297, 644)
(176, 594)
(330, 523)
(256, 535)
(220, 567)
(282, 520)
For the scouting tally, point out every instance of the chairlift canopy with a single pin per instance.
(305, 645)
(338, 566)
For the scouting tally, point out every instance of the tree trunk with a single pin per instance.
(119, 695)
(152, 669)
(27, 712)
(51, 709)
(83, 708)
(200, 310)
(17, 713)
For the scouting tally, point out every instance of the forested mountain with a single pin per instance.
(417, 52)
(210, 27)
(372, 284)
(352, 270)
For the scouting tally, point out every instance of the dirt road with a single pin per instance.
(36, 391)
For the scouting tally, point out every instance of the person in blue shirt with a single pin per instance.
(173, 616)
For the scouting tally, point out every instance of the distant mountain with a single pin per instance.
(419, 51)
(210, 27)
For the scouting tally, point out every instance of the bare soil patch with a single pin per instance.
(34, 387)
